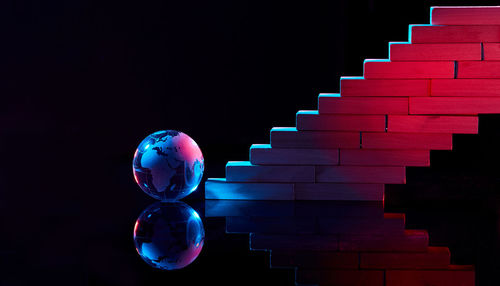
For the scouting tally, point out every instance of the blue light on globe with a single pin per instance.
(169, 235)
(168, 165)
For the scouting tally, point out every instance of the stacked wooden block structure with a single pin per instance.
(431, 87)
(341, 243)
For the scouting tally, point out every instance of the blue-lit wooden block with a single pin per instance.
(226, 208)
(339, 191)
(244, 171)
(220, 189)
(263, 154)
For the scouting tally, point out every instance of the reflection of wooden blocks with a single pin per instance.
(360, 174)
(368, 157)
(358, 86)
(454, 34)
(340, 209)
(468, 15)
(491, 51)
(271, 225)
(390, 223)
(263, 154)
(433, 258)
(314, 259)
(220, 189)
(362, 105)
(384, 69)
(455, 105)
(409, 241)
(259, 241)
(311, 120)
(465, 87)
(289, 137)
(339, 192)
(453, 276)
(339, 277)
(244, 171)
(478, 69)
(434, 52)
(419, 141)
(224, 208)
(433, 124)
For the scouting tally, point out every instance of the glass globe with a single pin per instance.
(169, 235)
(168, 165)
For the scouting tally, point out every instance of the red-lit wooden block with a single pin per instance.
(314, 259)
(454, 34)
(408, 241)
(491, 51)
(478, 69)
(360, 174)
(237, 171)
(368, 157)
(358, 86)
(362, 105)
(260, 241)
(433, 258)
(465, 15)
(289, 137)
(465, 87)
(263, 154)
(433, 124)
(390, 223)
(339, 277)
(455, 105)
(271, 225)
(434, 52)
(220, 189)
(384, 69)
(339, 192)
(311, 120)
(454, 276)
(419, 141)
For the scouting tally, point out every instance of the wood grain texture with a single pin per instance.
(491, 51)
(291, 138)
(350, 86)
(465, 87)
(408, 70)
(478, 69)
(362, 105)
(465, 15)
(434, 52)
(313, 121)
(433, 124)
(454, 34)
(455, 105)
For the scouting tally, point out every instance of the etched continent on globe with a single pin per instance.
(168, 165)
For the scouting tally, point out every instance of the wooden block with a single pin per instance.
(259, 241)
(314, 259)
(435, 52)
(263, 154)
(362, 105)
(465, 87)
(407, 141)
(465, 15)
(360, 174)
(491, 51)
(478, 69)
(433, 258)
(271, 225)
(454, 276)
(454, 34)
(340, 277)
(409, 241)
(393, 223)
(384, 69)
(433, 124)
(455, 105)
(369, 157)
(220, 189)
(242, 171)
(225, 208)
(340, 209)
(358, 86)
(339, 192)
(312, 121)
(286, 137)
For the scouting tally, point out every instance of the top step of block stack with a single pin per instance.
(402, 107)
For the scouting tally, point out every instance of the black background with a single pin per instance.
(83, 82)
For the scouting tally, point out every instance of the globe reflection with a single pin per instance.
(169, 235)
